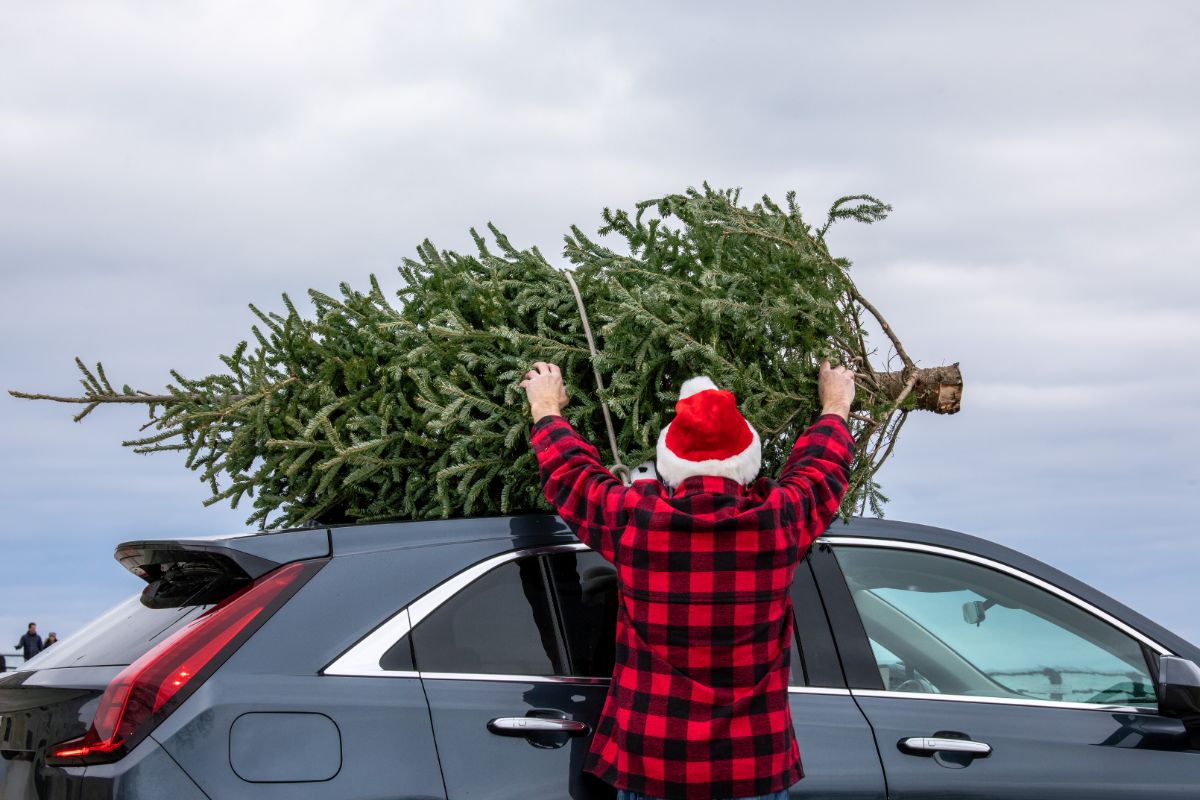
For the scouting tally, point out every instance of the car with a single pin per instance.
(470, 658)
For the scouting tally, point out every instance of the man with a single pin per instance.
(30, 643)
(698, 706)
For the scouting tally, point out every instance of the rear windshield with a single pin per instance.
(117, 637)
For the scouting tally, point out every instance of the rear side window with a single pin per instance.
(501, 624)
(586, 588)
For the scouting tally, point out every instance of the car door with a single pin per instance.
(507, 721)
(983, 681)
(836, 746)
(516, 654)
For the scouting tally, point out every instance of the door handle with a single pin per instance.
(935, 744)
(523, 726)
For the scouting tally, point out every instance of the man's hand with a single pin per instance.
(543, 386)
(836, 389)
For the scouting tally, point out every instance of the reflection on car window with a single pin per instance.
(943, 625)
(897, 675)
(796, 676)
(586, 588)
(118, 636)
(501, 624)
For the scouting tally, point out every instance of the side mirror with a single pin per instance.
(1179, 693)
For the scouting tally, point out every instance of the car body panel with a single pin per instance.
(145, 773)
(836, 745)
(515, 532)
(837, 750)
(1052, 750)
(1037, 751)
(386, 724)
(387, 749)
(480, 764)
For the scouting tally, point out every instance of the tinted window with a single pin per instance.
(797, 663)
(943, 625)
(501, 624)
(586, 588)
(118, 637)
(399, 657)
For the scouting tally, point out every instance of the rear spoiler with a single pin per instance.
(173, 568)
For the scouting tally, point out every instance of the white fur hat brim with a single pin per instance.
(742, 467)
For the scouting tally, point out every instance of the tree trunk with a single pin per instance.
(937, 389)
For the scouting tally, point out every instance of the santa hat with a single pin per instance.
(708, 436)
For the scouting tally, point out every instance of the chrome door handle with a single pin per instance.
(934, 744)
(523, 726)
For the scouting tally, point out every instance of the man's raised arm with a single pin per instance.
(586, 495)
(817, 473)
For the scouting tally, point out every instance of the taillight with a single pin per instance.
(149, 689)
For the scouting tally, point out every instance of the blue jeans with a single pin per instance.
(624, 795)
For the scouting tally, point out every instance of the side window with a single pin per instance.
(585, 585)
(399, 657)
(944, 625)
(796, 674)
(501, 624)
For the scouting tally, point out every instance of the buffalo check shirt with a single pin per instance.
(698, 704)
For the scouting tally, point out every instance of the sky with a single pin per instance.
(162, 165)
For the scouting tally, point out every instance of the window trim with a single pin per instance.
(504, 677)
(863, 541)
(363, 657)
(820, 665)
(1006, 701)
(1019, 574)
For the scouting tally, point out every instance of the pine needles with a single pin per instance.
(370, 409)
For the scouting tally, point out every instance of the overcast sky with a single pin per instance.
(164, 164)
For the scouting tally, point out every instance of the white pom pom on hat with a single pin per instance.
(696, 384)
(708, 436)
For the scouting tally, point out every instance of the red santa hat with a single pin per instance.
(708, 436)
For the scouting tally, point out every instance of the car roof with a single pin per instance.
(517, 531)
(523, 529)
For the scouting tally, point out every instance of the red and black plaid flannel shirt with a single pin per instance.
(698, 704)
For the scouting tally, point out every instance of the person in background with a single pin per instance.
(30, 644)
(51, 638)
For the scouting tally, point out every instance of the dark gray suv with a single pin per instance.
(470, 658)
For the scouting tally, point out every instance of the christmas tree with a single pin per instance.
(372, 409)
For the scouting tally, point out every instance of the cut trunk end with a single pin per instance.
(937, 389)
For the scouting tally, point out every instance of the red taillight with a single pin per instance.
(149, 689)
